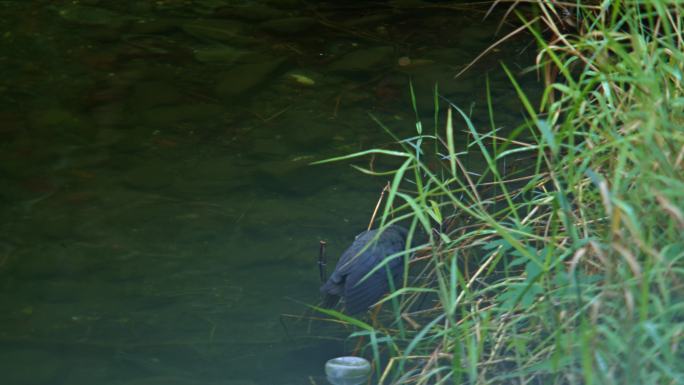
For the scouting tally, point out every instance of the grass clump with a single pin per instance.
(569, 270)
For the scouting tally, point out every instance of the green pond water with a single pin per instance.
(160, 220)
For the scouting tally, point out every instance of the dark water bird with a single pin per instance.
(347, 279)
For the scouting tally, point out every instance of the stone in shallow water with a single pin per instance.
(217, 54)
(252, 12)
(245, 77)
(52, 117)
(231, 32)
(286, 4)
(153, 26)
(93, 16)
(409, 3)
(289, 25)
(451, 56)
(149, 177)
(154, 93)
(208, 7)
(364, 60)
(173, 114)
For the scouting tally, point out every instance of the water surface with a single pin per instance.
(160, 218)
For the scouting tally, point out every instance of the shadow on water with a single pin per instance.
(159, 213)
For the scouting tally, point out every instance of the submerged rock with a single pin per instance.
(286, 4)
(252, 12)
(245, 77)
(226, 31)
(452, 56)
(154, 26)
(149, 177)
(364, 60)
(410, 4)
(173, 114)
(154, 93)
(289, 25)
(93, 16)
(217, 54)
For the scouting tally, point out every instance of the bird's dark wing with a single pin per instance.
(335, 284)
(347, 280)
(351, 256)
(360, 293)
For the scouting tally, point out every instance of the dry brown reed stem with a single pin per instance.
(406, 317)
(432, 360)
(513, 141)
(377, 205)
(498, 338)
(505, 16)
(670, 208)
(494, 138)
(413, 298)
(477, 274)
(391, 364)
(467, 177)
(349, 31)
(494, 45)
(426, 312)
(577, 256)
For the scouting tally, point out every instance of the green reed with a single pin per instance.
(568, 271)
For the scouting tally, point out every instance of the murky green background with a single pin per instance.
(159, 215)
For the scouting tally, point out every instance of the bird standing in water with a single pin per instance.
(347, 279)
